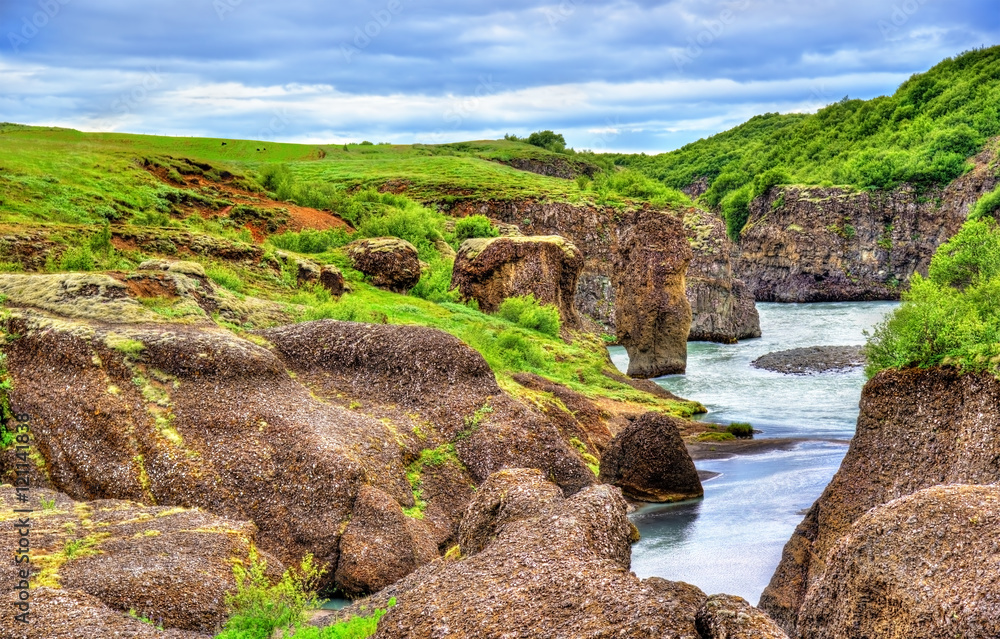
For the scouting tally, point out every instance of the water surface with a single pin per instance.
(731, 540)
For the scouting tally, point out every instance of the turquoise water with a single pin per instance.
(731, 540)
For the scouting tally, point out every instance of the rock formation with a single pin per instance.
(917, 429)
(564, 568)
(392, 263)
(653, 315)
(489, 270)
(722, 306)
(812, 359)
(919, 567)
(286, 428)
(731, 617)
(649, 462)
(171, 565)
(723, 309)
(820, 244)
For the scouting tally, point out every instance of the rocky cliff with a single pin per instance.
(816, 244)
(917, 429)
(723, 309)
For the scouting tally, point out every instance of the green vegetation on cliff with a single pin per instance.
(922, 134)
(951, 317)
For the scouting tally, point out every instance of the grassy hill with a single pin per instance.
(922, 134)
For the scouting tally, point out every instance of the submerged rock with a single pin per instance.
(489, 270)
(917, 429)
(812, 359)
(920, 567)
(653, 315)
(649, 462)
(392, 263)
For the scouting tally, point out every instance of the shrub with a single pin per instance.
(987, 206)
(435, 282)
(550, 140)
(78, 258)
(226, 278)
(527, 312)
(740, 430)
(260, 607)
(310, 241)
(715, 437)
(353, 628)
(474, 226)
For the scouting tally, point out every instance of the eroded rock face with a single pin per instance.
(489, 270)
(391, 262)
(723, 309)
(722, 306)
(649, 462)
(827, 244)
(917, 429)
(731, 617)
(171, 565)
(919, 567)
(653, 314)
(540, 563)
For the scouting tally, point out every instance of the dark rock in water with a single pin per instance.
(653, 315)
(917, 429)
(812, 359)
(649, 462)
(489, 270)
(536, 564)
(391, 262)
(731, 617)
(923, 566)
(380, 544)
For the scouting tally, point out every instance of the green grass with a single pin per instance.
(740, 430)
(353, 628)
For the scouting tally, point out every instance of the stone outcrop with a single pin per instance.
(731, 617)
(392, 263)
(489, 270)
(812, 359)
(919, 567)
(653, 315)
(309, 272)
(649, 462)
(563, 564)
(285, 427)
(170, 565)
(723, 309)
(722, 306)
(819, 244)
(917, 429)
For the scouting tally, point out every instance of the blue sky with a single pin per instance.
(631, 76)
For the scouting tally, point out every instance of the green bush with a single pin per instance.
(550, 140)
(226, 278)
(435, 282)
(260, 607)
(78, 258)
(474, 226)
(951, 317)
(527, 312)
(353, 628)
(310, 241)
(986, 206)
(740, 430)
(714, 437)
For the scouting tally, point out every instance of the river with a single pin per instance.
(731, 540)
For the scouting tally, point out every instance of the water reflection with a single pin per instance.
(667, 526)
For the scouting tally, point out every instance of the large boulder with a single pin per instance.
(392, 263)
(917, 429)
(539, 564)
(732, 617)
(489, 270)
(653, 313)
(920, 567)
(649, 462)
(171, 565)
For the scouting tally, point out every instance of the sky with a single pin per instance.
(631, 76)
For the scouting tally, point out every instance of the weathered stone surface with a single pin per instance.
(722, 307)
(649, 462)
(731, 617)
(653, 315)
(332, 279)
(541, 565)
(919, 567)
(171, 565)
(489, 270)
(380, 545)
(391, 262)
(812, 359)
(917, 429)
(827, 244)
